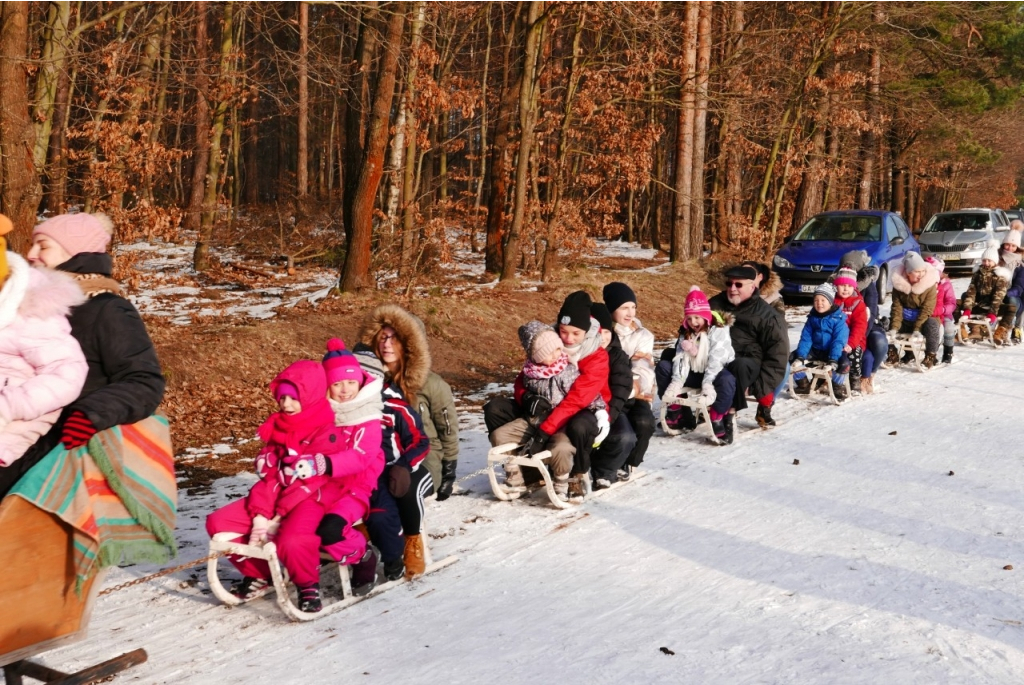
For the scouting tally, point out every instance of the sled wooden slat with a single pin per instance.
(13, 673)
(37, 590)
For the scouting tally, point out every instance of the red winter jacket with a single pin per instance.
(593, 379)
(856, 318)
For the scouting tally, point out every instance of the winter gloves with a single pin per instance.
(260, 530)
(309, 465)
(992, 318)
(444, 491)
(604, 426)
(78, 430)
(399, 480)
(536, 408)
(534, 442)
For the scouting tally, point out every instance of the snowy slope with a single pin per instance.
(865, 563)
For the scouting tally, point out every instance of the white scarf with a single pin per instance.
(367, 405)
(699, 361)
(591, 341)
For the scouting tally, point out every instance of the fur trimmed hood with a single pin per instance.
(411, 332)
(1004, 273)
(900, 282)
(36, 293)
(771, 288)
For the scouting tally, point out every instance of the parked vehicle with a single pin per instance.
(812, 253)
(1012, 214)
(959, 237)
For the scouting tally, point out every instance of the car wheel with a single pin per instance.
(882, 284)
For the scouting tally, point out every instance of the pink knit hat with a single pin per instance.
(78, 232)
(697, 304)
(845, 276)
(544, 345)
(340, 364)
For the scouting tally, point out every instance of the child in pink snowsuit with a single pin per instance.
(355, 399)
(296, 486)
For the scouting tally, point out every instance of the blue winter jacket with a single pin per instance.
(825, 334)
(1017, 284)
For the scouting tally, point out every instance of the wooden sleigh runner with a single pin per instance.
(224, 544)
(41, 609)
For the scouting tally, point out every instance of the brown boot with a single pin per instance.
(1001, 335)
(414, 558)
(965, 331)
(930, 360)
(867, 386)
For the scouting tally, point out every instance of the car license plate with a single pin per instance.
(949, 259)
(807, 288)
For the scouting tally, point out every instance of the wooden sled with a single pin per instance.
(41, 609)
(906, 343)
(691, 398)
(818, 374)
(502, 455)
(222, 542)
(975, 323)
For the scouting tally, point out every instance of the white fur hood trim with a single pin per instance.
(36, 293)
(900, 282)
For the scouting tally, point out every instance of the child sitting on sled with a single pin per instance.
(849, 300)
(986, 295)
(295, 489)
(355, 398)
(703, 350)
(823, 339)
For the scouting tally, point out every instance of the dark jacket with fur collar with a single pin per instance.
(429, 394)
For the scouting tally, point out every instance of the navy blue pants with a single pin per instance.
(392, 518)
(724, 385)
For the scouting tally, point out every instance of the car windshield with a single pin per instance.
(852, 228)
(957, 222)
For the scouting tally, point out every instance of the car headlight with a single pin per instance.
(978, 245)
(781, 262)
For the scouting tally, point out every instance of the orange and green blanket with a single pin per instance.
(118, 493)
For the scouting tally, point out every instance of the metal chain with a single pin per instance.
(158, 574)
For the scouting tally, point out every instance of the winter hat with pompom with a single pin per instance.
(936, 262)
(912, 261)
(845, 276)
(828, 291)
(1012, 238)
(368, 360)
(78, 233)
(340, 364)
(991, 252)
(697, 304)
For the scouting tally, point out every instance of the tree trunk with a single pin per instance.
(20, 190)
(680, 247)
(494, 253)
(200, 258)
(478, 200)
(357, 111)
(703, 66)
(356, 272)
(201, 154)
(409, 172)
(868, 138)
(528, 106)
(731, 155)
(52, 65)
(302, 160)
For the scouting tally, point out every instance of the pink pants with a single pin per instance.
(298, 545)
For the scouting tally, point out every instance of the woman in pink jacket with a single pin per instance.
(297, 485)
(42, 367)
(358, 408)
(945, 306)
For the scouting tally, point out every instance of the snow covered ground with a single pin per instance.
(878, 558)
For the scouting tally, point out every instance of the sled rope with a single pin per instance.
(159, 574)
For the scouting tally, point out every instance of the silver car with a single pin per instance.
(959, 237)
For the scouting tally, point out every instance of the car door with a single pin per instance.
(893, 243)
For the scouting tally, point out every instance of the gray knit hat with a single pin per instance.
(828, 291)
(912, 261)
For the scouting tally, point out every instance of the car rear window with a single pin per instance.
(843, 228)
(958, 222)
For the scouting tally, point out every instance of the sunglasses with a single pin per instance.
(735, 284)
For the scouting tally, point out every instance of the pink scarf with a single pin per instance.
(291, 430)
(534, 370)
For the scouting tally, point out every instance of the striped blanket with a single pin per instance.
(118, 493)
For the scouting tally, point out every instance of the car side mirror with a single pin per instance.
(787, 239)
(898, 240)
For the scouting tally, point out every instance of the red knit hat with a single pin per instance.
(340, 364)
(697, 304)
(78, 233)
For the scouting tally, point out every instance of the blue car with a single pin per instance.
(810, 255)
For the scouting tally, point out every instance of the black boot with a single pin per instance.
(364, 573)
(394, 569)
(764, 416)
(908, 357)
(803, 386)
(947, 354)
(893, 357)
(854, 383)
(444, 491)
(309, 599)
(727, 422)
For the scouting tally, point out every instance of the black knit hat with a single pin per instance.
(599, 311)
(617, 294)
(575, 310)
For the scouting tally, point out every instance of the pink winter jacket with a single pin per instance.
(42, 368)
(361, 462)
(945, 302)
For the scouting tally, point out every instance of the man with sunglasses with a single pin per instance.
(759, 339)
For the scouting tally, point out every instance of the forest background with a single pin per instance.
(379, 139)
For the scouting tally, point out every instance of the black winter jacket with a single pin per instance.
(620, 378)
(758, 333)
(124, 384)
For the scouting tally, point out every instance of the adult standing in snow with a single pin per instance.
(124, 384)
(408, 365)
(638, 345)
(759, 339)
